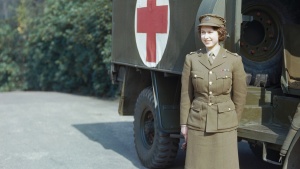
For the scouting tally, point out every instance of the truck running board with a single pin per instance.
(263, 132)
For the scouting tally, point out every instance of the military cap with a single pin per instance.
(211, 20)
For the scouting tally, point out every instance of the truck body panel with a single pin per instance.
(264, 32)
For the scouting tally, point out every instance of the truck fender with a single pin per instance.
(292, 132)
(166, 90)
(292, 159)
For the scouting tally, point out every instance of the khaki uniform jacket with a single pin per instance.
(212, 96)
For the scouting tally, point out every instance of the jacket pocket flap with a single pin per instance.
(226, 106)
(196, 106)
(197, 74)
(224, 75)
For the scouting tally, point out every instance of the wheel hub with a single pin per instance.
(260, 38)
(148, 129)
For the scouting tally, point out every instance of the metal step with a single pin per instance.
(258, 96)
(255, 114)
(263, 132)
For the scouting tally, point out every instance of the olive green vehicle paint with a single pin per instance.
(150, 39)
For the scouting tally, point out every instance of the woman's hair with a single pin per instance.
(221, 32)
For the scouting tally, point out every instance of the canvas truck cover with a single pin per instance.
(157, 34)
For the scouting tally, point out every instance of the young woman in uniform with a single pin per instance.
(213, 95)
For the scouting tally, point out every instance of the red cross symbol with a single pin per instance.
(151, 20)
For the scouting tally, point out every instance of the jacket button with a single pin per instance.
(229, 108)
(210, 72)
(210, 93)
(195, 75)
(226, 76)
(210, 83)
(209, 104)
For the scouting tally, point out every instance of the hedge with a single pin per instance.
(66, 48)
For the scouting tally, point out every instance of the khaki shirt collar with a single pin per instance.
(215, 50)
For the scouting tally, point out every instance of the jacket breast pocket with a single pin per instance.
(197, 80)
(227, 117)
(224, 79)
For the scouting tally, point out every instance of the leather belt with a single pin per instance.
(214, 99)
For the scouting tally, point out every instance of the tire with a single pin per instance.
(261, 45)
(155, 148)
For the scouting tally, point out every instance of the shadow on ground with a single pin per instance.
(110, 137)
(121, 142)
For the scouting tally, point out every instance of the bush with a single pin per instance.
(12, 64)
(69, 48)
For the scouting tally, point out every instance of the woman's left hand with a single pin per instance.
(184, 131)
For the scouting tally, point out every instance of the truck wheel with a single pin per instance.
(261, 45)
(155, 148)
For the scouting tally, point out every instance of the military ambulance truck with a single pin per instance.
(150, 39)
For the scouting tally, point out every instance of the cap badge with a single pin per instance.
(207, 18)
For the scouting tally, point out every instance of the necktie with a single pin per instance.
(210, 58)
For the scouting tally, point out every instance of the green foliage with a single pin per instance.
(11, 60)
(67, 47)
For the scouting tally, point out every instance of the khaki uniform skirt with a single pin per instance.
(212, 150)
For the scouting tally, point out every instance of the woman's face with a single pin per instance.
(209, 37)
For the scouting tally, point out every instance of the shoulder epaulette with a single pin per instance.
(199, 51)
(192, 53)
(235, 54)
(196, 52)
